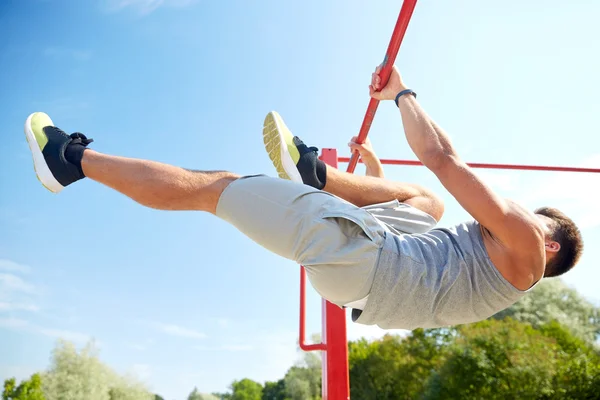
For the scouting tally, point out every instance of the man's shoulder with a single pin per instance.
(519, 265)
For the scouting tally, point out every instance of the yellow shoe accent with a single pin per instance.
(39, 121)
(37, 141)
(279, 143)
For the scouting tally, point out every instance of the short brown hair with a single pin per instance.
(566, 233)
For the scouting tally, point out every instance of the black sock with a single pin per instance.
(321, 172)
(312, 170)
(74, 154)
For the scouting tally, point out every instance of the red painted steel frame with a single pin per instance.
(388, 62)
(491, 166)
(335, 382)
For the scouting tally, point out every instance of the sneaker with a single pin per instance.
(292, 159)
(48, 145)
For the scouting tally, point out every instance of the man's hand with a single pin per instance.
(393, 87)
(369, 158)
(365, 150)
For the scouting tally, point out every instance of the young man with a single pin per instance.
(347, 230)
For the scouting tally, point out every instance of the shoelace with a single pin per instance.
(80, 138)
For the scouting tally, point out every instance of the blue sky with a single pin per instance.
(182, 299)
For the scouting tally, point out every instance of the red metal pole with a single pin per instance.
(336, 381)
(335, 374)
(302, 339)
(388, 62)
(491, 166)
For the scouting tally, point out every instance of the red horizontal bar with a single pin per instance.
(490, 166)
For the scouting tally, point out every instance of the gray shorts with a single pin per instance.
(337, 242)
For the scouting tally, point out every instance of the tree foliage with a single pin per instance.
(543, 347)
(196, 395)
(274, 390)
(552, 300)
(303, 381)
(393, 367)
(246, 389)
(75, 375)
(492, 359)
(30, 389)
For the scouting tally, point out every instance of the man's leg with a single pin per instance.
(158, 185)
(367, 190)
(336, 241)
(61, 159)
(297, 162)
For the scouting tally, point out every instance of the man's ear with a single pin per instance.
(552, 246)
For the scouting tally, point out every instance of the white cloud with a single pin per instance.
(176, 330)
(18, 324)
(13, 323)
(8, 306)
(11, 266)
(145, 7)
(15, 292)
(10, 282)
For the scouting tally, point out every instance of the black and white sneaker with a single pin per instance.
(292, 159)
(48, 145)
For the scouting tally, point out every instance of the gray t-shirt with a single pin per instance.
(437, 278)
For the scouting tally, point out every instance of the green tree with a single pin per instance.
(196, 395)
(297, 384)
(395, 367)
(274, 390)
(222, 396)
(509, 359)
(208, 396)
(553, 300)
(30, 389)
(158, 397)
(303, 380)
(9, 388)
(75, 375)
(495, 360)
(578, 372)
(246, 389)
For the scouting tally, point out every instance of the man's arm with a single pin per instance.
(421, 198)
(513, 226)
(368, 156)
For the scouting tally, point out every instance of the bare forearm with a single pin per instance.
(427, 140)
(373, 167)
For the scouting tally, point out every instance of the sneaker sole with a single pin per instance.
(277, 137)
(42, 170)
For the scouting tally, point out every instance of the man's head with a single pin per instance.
(564, 244)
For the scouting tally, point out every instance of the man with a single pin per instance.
(335, 223)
